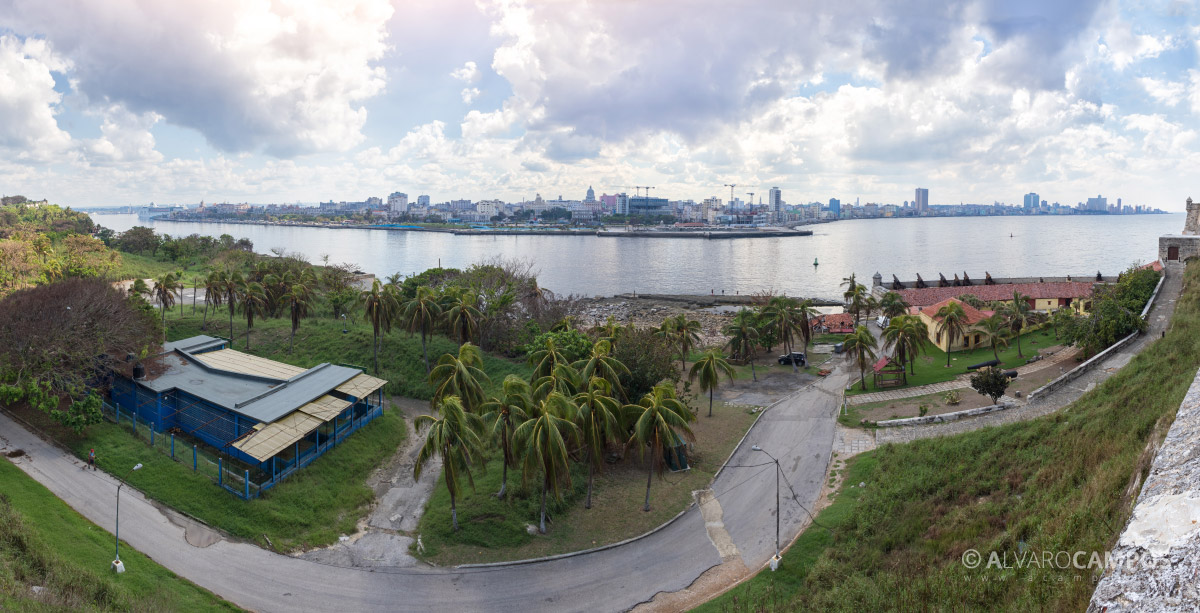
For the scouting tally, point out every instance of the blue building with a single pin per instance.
(646, 205)
(835, 206)
(270, 418)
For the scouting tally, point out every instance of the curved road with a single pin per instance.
(799, 431)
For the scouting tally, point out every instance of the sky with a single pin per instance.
(115, 102)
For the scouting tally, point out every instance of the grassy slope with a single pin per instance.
(1059, 483)
(310, 508)
(931, 366)
(46, 543)
(320, 339)
(493, 530)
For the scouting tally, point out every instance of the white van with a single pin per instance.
(882, 322)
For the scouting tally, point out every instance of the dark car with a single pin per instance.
(794, 357)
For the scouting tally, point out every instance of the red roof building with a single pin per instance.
(1046, 296)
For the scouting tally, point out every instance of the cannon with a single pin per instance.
(984, 364)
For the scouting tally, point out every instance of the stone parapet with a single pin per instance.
(1155, 565)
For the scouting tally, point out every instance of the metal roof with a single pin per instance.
(195, 344)
(261, 389)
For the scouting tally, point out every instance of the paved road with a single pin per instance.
(799, 431)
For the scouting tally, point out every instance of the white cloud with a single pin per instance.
(469, 73)
(1122, 47)
(125, 137)
(289, 76)
(1194, 94)
(470, 94)
(28, 100)
(1169, 93)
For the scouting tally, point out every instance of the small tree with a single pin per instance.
(990, 382)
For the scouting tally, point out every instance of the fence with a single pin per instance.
(244, 480)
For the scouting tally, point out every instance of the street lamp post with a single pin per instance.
(343, 323)
(775, 560)
(117, 565)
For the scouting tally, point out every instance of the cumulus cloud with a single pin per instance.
(470, 94)
(469, 73)
(288, 77)
(125, 137)
(28, 100)
(1169, 93)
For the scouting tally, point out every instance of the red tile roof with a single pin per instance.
(1155, 266)
(837, 321)
(1059, 289)
(973, 314)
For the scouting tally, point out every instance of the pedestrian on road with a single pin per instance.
(92, 459)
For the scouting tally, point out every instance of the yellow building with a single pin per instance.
(941, 338)
(1044, 297)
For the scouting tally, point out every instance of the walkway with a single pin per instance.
(960, 382)
(1158, 319)
(799, 431)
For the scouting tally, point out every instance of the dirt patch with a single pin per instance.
(15, 453)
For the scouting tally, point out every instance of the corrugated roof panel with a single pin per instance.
(276, 437)
(246, 364)
(295, 393)
(361, 386)
(325, 408)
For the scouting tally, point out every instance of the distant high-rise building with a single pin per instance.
(776, 204)
(835, 206)
(622, 203)
(1032, 200)
(591, 195)
(423, 200)
(921, 203)
(1099, 203)
(398, 202)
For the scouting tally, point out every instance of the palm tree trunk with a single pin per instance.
(195, 290)
(649, 474)
(752, 373)
(862, 375)
(591, 470)
(231, 326)
(292, 339)
(545, 486)
(375, 346)
(1019, 354)
(710, 395)
(424, 351)
(453, 512)
(503, 479)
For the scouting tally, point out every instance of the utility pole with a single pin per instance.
(775, 560)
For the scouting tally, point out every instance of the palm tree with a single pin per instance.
(453, 436)
(892, 305)
(178, 288)
(254, 303)
(545, 360)
(460, 376)
(1017, 312)
(784, 315)
(861, 345)
(995, 332)
(543, 443)
(462, 316)
(951, 321)
(298, 300)
(231, 286)
(503, 415)
(1060, 319)
(857, 300)
(683, 331)
(909, 336)
(743, 337)
(212, 294)
(421, 314)
(708, 369)
(379, 306)
(139, 288)
(599, 420)
(600, 363)
(805, 312)
(660, 423)
(164, 294)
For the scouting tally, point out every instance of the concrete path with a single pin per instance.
(960, 382)
(1158, 319)
(799, 431)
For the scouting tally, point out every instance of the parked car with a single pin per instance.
(882, 322)
(794, 357)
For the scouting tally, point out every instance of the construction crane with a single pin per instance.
(751, 194)
(731, 186)
(647, 188)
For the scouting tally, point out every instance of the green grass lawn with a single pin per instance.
(492, 530)
(320, 339)
(1058, 483)
(310, 508)
(44, 542)
(931, 366)
(134, 266)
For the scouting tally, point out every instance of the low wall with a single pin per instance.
(944, 417)
(1155, 565)
(1082, 369)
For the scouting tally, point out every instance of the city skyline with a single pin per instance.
(508, 99)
